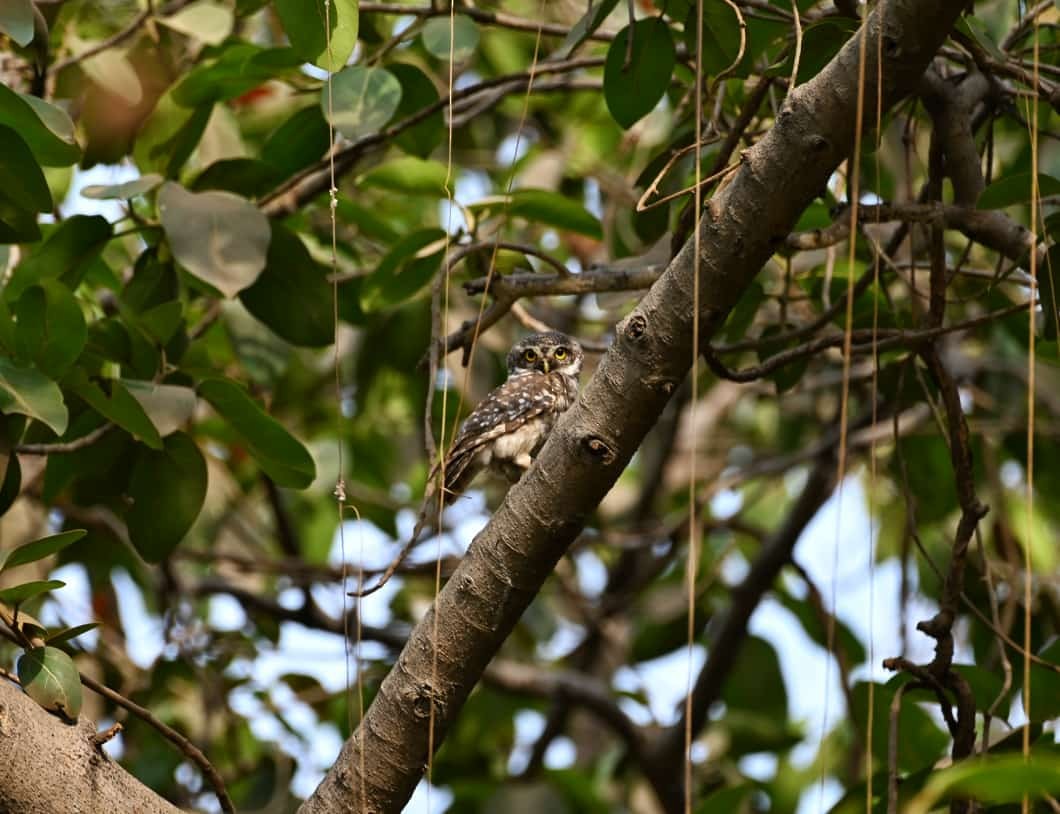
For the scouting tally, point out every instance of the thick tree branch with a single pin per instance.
(510, 560)
(49, 767)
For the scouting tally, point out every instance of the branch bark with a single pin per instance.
(49, 767)
(511, 558)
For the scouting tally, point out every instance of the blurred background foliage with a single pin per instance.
(168, 383)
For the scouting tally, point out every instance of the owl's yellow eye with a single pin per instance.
(561, 353)
(530, 355)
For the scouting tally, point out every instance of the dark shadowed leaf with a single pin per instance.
(304, 21)
(12, 482)
(279, 453)
(50, 678)
(553, 209)
(417, 93)
(922, 741)
(167, 489)
(589, 22)
(29, 392)
(220, 238)
(292, 295)
(362, 100)
(453, 38)
(406, 269)
(993, 779)
(39, 549)
(19, 171)
(51, 330)
(721, 36)
(66, 255)
(298, 142)
(119, 407)
(1049, 292)
(633, 90)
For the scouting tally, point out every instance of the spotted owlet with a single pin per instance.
(508, 427)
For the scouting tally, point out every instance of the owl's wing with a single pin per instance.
(504, 410)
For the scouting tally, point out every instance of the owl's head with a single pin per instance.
(545, 353)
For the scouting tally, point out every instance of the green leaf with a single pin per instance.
(246, 177)
(16, 20)
(51, 330)
(39, 549)
(45, 128)
(298, 142)
(239, 68)
(17, 224)
(27, 590)
(991, 779)
(405, 270)
(721, 36)
(119, 407)
(363, 100)
(587, 25)
(820, 44)
(756, 683)
(922, 741)
(632, 91)
(408, 174)
(169, 406)
(417, 92)
(12, 483)
(50, 678)
(456, 40)
(292, 295)
(167, 489)
(29, 392)
(553, 209)
(280, 454)
(67, 253)
(207, 22)
(19, 171)
(66, 634)
(1016, 189)
(218, 237)
(304, 21)
(130, 189)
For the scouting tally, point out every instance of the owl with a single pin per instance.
(508, 427)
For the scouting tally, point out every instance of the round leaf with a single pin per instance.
(218, 237)
(304, 23)
(363, 100)
(50, 678)
(51, 330)
(632, 91)
(168, 406)
(457, 43)
(292, 295)
(279, 453)
(207, 22)
(16, 20)
(167, 490)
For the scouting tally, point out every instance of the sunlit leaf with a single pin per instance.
(18, 594)
(304, 21)
(169, 406)
(220, 238)
(454, 38)
(408, 174)
(126, 190)
(16, 20)
(112, 70)
(991, 779)
(29, 392)
(50, 678)
(46, 128)
(39, 549)
(205, 21)
(67, 634)
(362, 99)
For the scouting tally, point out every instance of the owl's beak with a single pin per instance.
(544, 363)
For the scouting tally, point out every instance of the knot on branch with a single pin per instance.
(818, 143)
(421, 701)
(636, 327)
(599, 449)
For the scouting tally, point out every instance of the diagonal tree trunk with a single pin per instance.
(511, 558)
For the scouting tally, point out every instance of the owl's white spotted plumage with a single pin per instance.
(508, 427)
